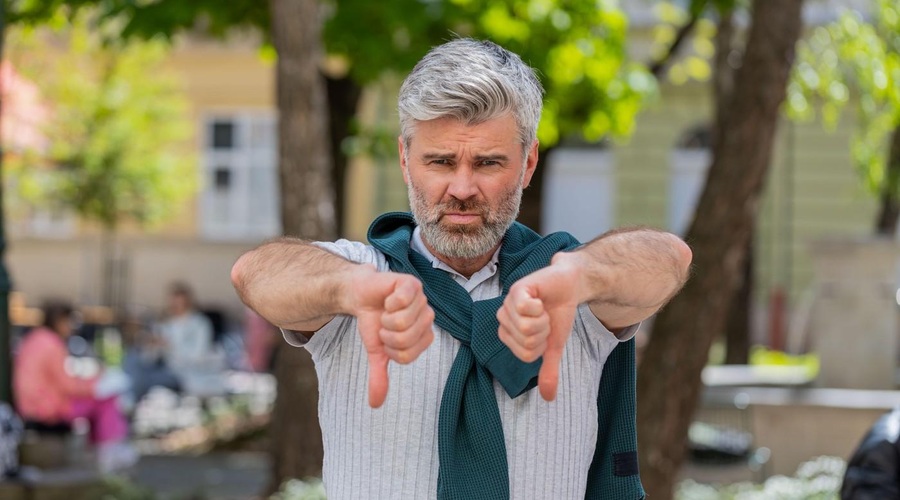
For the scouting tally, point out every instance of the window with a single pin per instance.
(688, 164)
(45, 220)
(43, 223)
(579, 192)
(240, 186)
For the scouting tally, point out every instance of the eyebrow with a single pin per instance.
(450, 156)
(495, 157)
(438, 156)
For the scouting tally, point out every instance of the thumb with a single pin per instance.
(378, 360)
(561, 320)
(378, 379)
(548, 377)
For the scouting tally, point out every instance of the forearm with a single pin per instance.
(626, 276)
(294, 284)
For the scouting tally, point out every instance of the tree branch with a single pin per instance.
(657, 67)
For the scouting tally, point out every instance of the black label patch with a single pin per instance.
(626, 463)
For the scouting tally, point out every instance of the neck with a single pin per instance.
(465, 267)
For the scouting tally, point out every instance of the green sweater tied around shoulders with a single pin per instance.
(471, 448)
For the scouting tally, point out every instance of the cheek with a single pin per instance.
(497, 191)
(431, 191)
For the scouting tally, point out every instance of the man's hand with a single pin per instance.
(395, 322)
(536, 320)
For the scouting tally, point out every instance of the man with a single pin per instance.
(186, 333)
(472, 309)
(184, 341)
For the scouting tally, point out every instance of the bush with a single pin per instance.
(818, 479)
(295, 489)
(121, 488)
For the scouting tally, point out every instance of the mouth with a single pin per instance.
(461, 217)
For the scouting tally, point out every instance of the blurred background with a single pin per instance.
(147, 144)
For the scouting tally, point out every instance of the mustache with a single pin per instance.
(456, 205)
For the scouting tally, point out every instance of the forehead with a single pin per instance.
(452, 134)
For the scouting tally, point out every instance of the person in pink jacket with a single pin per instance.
(45, 393)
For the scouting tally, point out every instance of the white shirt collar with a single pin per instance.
(483, 274)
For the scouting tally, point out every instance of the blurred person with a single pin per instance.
(46, 394)
(465, 312)
(185, 334)
(186, 343)
(873, 472)
(259, 341)
(143, 361)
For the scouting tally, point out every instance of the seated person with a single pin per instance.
(186, 344)
(47, 395)
(259, 342)
(143, 361)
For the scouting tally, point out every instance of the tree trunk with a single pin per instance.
(669, 378)
(723, 72)
(533, 196)
(307, 210)
(886, 224)
(737, 332)
(737, 326)
(343, 99)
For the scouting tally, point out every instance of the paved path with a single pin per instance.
(214, 476)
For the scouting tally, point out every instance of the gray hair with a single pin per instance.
(472, 81)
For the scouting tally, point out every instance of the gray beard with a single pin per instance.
(464, 242)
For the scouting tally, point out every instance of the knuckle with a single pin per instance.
(404, 341)
(388, 337)
(528, 328)
(402, 323)
(404, 357)
(531, 343)
(529, 355)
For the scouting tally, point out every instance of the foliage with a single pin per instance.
(818, 479)
(149, 18)
(694, 65)
(295, 489)
(853, 61)
(116, 123)
(577, 46)
(696, 21)
(121, 488)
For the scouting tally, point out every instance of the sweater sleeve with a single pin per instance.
(55, 365)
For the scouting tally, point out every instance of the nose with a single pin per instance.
(462, 185)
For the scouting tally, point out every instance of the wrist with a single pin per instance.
(591, 279)
(571, 264)
(348, 300)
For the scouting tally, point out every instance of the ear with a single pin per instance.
(401, 149)
(530, 163)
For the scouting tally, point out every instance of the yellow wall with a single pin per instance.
(216, 76)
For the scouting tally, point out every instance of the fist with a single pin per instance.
(394, 321)
(536, 320)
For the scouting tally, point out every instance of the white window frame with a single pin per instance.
(580, 191)
(687, 177)
(242, 219)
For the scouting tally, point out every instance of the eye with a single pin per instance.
(439, 162)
